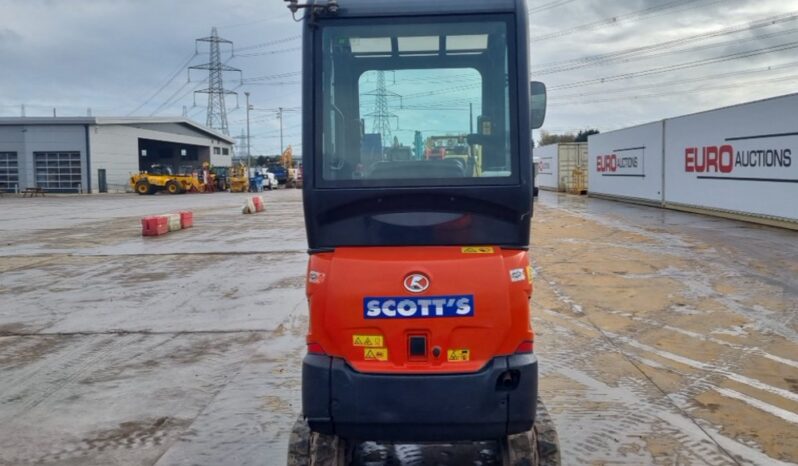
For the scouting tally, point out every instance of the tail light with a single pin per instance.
(526, 346)
(315, 348)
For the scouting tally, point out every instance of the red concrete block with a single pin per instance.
(154, 226)
(186, 219)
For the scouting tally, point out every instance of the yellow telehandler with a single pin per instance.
(161, 178)
(239, 179)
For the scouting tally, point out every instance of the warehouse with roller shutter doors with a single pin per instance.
(98, 154)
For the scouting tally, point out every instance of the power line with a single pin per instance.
(459, 104)
(268, 77)
(548, 6)
(167, 83)
(681, 66)
(172, 100)
(712, 77)
(246, 23)
(273, 52)
(269, 43)
(443, 91)
(793, 77)
(612, 20)
(277, 109)
(678, 51)
(566, 65)
(277, 83)
(169, 100)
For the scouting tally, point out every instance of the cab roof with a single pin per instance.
(371, 8)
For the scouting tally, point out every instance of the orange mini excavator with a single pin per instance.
(419, 278)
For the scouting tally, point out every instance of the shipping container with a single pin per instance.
(735, 160)
(562, 167)
(627, 163)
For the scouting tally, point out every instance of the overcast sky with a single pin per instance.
(114, 55)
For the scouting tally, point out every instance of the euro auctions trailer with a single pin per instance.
(627, 163)
(562, 167)
(737, 161)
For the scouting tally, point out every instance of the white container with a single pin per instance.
(562, 167)
(740, 160)
(627, 163)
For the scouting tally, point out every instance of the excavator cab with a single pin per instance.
(419, 280)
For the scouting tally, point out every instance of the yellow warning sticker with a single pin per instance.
(477, 250)
(368, 341)
(529, 273)
(375, 354)
(458, 355)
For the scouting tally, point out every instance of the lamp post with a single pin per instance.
(249, 153)
(280, 116)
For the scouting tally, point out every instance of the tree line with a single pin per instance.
(547, 138)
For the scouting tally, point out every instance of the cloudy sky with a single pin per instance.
(607, 64)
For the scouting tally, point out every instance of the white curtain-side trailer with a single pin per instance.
(627, 164)
(738, 162)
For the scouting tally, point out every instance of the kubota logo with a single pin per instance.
(416, 282)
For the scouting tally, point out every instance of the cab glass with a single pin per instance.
(417, 104)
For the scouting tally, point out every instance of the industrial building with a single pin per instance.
(98, 154)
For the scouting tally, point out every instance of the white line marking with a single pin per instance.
(773, 357)
(626, 396)
(709, 367)
(761, 405)
(709, 338)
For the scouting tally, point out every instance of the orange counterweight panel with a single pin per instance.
(419, 309)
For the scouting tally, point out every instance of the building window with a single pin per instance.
(225, 151)
(9, 171)
(58, 171)
(216, 151)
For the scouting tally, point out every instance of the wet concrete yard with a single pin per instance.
(664, 337)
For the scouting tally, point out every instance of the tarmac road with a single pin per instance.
(664, 337)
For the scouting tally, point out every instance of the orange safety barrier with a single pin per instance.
(156, 225)
(186, 219)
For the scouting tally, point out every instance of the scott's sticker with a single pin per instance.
(517, 275)
(407, 307)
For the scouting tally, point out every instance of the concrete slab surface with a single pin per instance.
(664, 337)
